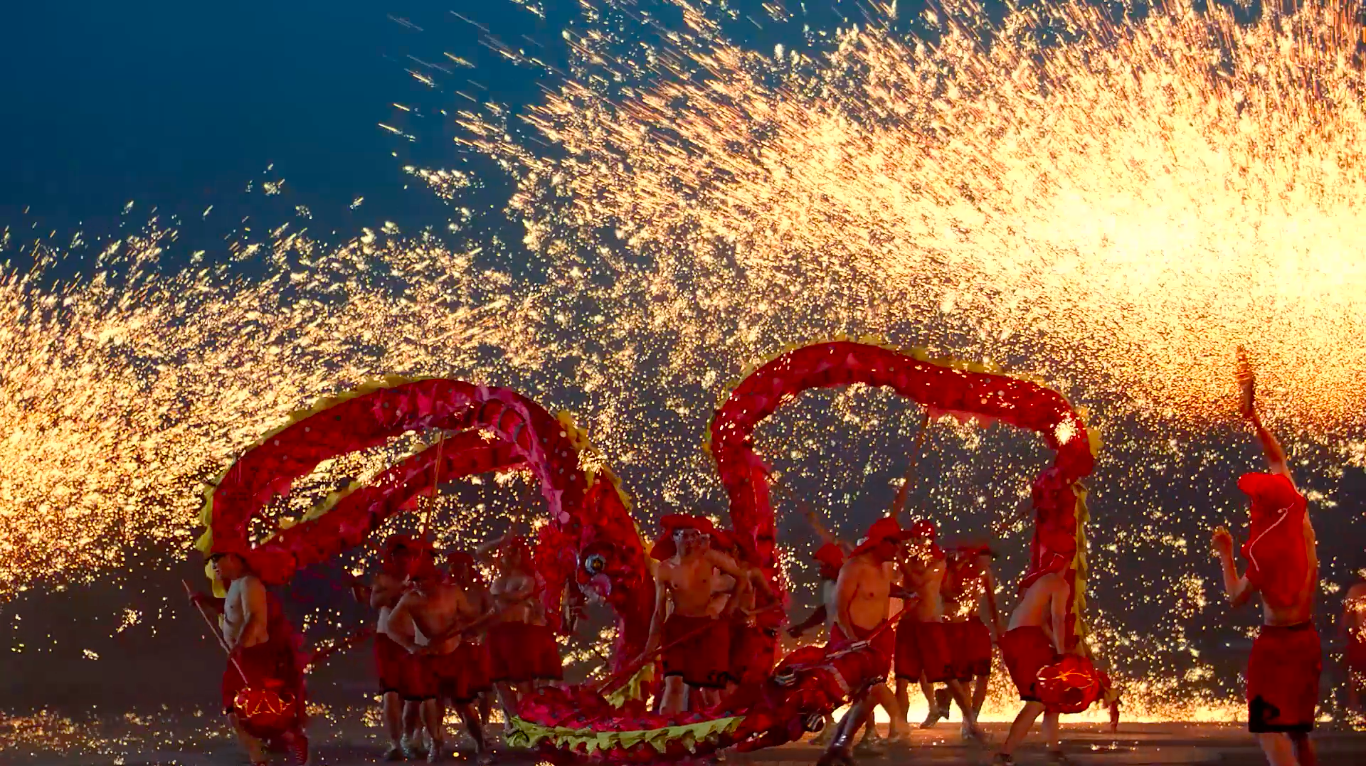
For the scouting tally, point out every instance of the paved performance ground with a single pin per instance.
(1134, 744)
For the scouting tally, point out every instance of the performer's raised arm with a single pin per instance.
(1247, 383)
(1238, 588)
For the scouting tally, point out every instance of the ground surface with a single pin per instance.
(1085, 745)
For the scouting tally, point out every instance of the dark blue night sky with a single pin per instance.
(178, 105)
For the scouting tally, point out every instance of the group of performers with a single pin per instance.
(445, 638)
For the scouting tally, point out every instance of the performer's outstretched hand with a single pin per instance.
(1222, 541)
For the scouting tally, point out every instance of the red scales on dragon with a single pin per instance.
(591, 548)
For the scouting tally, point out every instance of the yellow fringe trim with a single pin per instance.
(524, 734)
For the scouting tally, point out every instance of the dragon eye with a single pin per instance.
(595, 563)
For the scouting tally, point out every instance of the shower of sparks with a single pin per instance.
(1116, 210)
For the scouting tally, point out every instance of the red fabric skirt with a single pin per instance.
(391, 664)
(923, 647)
(970, 642)
(751, 653)
(1283, 679)
(703, 659)
(521, 651)
(879, 659)
(1026, 651)
(267, 664)
(461, 675)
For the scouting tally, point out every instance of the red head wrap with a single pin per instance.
(458, 560)
(1278, 562)
(885, 529)
(664, 547)
(831, 558)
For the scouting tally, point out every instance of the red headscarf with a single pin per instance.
(924, 529)
(831, 559)
(392, 545)
(885, 529)
(1278, 563)
(664, 547)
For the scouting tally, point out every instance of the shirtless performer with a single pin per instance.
(1033, 642)
(754, 621)
(439, 609)
(1287, 657)
(970, 590)
(475, 650)
(695, 642)
(262, 645)
(862, 602)
(831, 556)
(923, 652)
(1354, 631)
(522, 648)
(400, 674)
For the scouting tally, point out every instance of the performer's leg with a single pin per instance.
(1050, 732)
(485, 707)
(934, 713)
(392, 707)
(710, 697)
(431, 719)
(470, 715)
(249, 744)
(675, 696)
(903, 699)
(296, 744)
(979, 694)
(507, 699)
(1304, 748)
(960, 695)
(1280, 751)
(412, 723)
(1020, 728)
(840, 748)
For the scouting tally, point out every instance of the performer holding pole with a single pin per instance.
(684, 586)
(1287, 656)
(862, 605)
(263, 653)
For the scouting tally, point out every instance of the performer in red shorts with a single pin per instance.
(394, 666)
(522, 648)
(753, 628)
(831, 557)
(1282, 565)
(862, 602)
(970, 590)
(441, 612)
(1354, 631)
(263, 648)
(474, 649)
(923, 652)
(1035, 641)
(695, 642)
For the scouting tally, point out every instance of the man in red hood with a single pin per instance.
(1282, 566)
